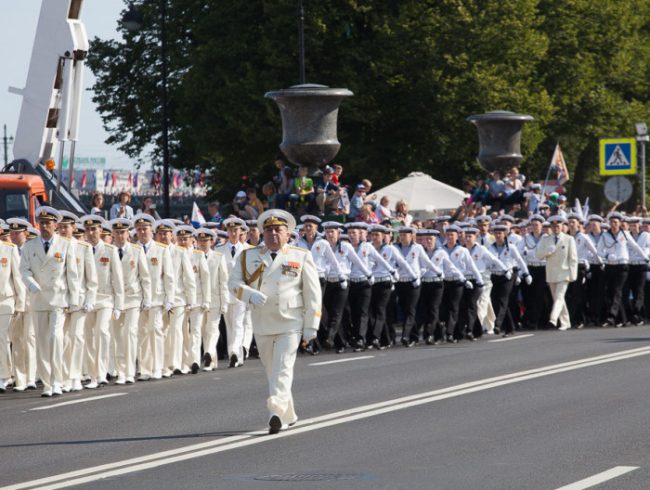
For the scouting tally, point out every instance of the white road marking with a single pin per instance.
(154, 460)
(74, 402)
(514, 337)
(347, 359)
(592, 481)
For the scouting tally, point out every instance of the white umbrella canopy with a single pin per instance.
(425, 195)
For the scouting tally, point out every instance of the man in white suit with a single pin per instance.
(137, 297)
(236, 310)
(281, 284)
(218, 296)
(12, 300)
(559, 251)
(23, 340)
(75, 320)
(193, 325)
(109, 301)
(151, 338)
(50, 274)
(184, 298)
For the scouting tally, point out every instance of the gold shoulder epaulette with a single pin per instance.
(197, 251)
(136, 245)
(162, 244)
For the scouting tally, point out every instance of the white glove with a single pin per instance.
(308, 334)
(34, 287)
(587, 265)
(146, 306)
(584, 280)
(518, 281)
(117, 314)
(258, 298)
(344, 284)
(551, 250)
(509, 275)
(612, 257)
(190, 307)
(416, 283)
(88, 307)
(224, 309)
(168, 307)
(371, 280)
(602, 267)
(469, 285)
(205, 306)
(528, 279)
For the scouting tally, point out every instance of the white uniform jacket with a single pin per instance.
(12, 287)
(56, 273)
(161, 273)
(561, 257)
(290, 283)
(183, 276)
(110, 281)
(137, 278)
(218, 280)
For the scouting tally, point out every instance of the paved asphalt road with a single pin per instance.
(535, 412)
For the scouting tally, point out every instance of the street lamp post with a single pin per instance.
(642, 137)
(6, 141)
(133, 21)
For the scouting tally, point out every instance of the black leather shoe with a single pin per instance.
(376, 344)
(340, 350)
(429, 340)
(233, 361)
(550, 326)
(178, 372)
(207, 359)
(195, 368)
(469, 336)
(275, 424)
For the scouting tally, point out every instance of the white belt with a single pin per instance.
(500, 273)
(358, 279)
(617, 262)
(536, 264)
(406, 280)
(638, 263)
(334, 280)
(430, 279)
(382, 279)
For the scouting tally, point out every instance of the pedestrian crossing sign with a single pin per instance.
(618, 156)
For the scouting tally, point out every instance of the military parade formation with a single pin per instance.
(86, 301)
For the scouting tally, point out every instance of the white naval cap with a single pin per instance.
(47, 213)
(90, 220)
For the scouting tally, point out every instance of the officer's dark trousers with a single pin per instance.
(359, 301)
(468, 312)
(334, 303)
(615, 277)
(536, 298)
(407, 297)
(500, 294)
(452, 295)
(634, 291)
(429, 309)
(378, 328)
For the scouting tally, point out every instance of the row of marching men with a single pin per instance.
(463, 280)
(80, 308)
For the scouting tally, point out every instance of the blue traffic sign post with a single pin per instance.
(617, 156)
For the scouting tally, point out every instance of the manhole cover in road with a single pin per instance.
(311, 477)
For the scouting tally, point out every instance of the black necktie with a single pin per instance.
(46, 246)
(556, 240)
(93, 250)
(273, 255)
(120, 253)
(232, 251)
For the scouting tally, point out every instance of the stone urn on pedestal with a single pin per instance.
(309, 118)
(499, 134)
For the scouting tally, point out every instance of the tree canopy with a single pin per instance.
(417, 68)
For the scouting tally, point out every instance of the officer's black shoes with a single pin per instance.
(234, 361)
(328, 344)
(550, 326)
(275, 424)
(359, 346)
(195, 368)
(451, 339)
(608, 323)
(311, 348)
(207, 360)
(376, 344)
(497, 331)
(430, 340)
(469, 336)
(178, 372)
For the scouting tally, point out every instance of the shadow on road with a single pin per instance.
(133, 439)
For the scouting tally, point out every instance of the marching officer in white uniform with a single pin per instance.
(74, 328)
(559, 251)
(193, 327)
(218, 302)
(50, 274)
(151, 337)
(23, 340)
(109, 302)
(12, 301)
(281, 284)
(137, 298)
(184, 298)
(236, 309)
